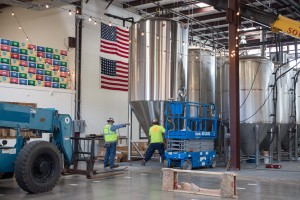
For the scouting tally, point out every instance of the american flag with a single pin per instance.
(114, 74)
(114, 40)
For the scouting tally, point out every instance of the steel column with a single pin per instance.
(233, 16)
(263, 38)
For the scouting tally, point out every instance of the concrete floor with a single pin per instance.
(145, 183)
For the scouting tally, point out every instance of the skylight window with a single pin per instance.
(202, 5)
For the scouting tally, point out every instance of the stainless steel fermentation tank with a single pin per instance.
(201, 76)
(201, 79)
(297, 102)
(220, 62)
(284, 84)
(284, 103)
(255, 100)
(158, 67)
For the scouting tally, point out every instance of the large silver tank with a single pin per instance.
(201, 76)
(297, 99)
(224, 87)
(297, 91)
(220, 62)
(284, 100)
(158, 64)
(255, 99)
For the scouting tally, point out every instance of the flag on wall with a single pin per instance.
(114, 40)
(114, 75)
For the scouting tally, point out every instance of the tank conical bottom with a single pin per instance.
(247, 136)
(146, 111)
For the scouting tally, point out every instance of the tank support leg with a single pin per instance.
(278, 144)
(271, 145)
(129, 132)
(296, 143)
(290, 145)
(256, 145)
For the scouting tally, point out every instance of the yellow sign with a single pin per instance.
(287, 26)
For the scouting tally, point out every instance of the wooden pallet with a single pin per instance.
(227, 184)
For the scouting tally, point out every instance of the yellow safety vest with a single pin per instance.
(109, 136)
(156, 134)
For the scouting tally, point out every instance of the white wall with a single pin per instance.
(55, 25)
(99, 104)
(49, 28)
(61, 100)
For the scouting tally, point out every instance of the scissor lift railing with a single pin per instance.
(191, 128)
(188, 120)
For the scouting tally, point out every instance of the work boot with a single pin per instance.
(114, 166)
(143, 163)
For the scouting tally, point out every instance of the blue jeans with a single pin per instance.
(152, 147)
(110, 154)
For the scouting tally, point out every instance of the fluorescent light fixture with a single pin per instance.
(249, 29)
(202, 5)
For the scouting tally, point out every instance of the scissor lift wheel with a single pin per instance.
(187, 165)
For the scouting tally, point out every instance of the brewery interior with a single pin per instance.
(238, 60)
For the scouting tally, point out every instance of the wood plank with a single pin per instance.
(199, 172)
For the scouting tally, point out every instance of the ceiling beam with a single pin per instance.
(206, 17)
(176, 4)
(137, 3)
(198, 11)
(247, 12)
(257, 42)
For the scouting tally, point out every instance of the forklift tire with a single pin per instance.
(187, 165)
(38, 167)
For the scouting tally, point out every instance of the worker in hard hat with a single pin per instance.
(156, 133)
(111, 139)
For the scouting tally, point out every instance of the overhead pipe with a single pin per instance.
(128, 19)
(78, 35)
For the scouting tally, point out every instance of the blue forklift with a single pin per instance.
(191, 128)
(38, 165)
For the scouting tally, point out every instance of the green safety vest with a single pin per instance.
(156, 134)
(109, 136)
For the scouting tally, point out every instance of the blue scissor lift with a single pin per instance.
(190, 132)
